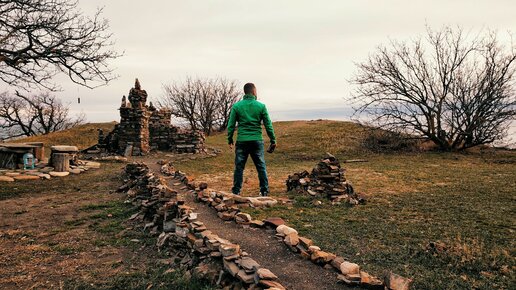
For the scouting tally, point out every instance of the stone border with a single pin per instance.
(196, 249)
(45, 173)
(224, 204)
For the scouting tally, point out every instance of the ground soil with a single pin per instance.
(47, 240)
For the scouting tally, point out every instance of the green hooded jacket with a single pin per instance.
(249, 113)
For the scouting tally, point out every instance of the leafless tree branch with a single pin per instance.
(455, 92)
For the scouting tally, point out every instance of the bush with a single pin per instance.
(388, 141)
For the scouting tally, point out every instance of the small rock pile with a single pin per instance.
(193, 248)
(326, 179)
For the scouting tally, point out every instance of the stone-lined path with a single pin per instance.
(262, 245)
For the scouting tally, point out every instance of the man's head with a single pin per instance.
(250, 89)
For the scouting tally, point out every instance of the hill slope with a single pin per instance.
(82, 136)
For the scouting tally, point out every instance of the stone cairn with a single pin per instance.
(144, 128)
(193, 248)
(326, 179)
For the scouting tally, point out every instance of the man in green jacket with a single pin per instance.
(249, 113)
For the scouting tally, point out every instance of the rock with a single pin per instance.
(257, 224)
(181, 232)
(64, 148)
(231, 267)
(245, 277)
(12, 174)
(320, 257)
(75, 171)
(226, 216)
(370, 282)
(306, 243)
(291, 239)
(45, 176)
(240, 199)
(59, 174)
(92, 164)
(249, 264)
(26, 177)
(348, 268)
(274, 222)
(264, 274)
(285, 230)
(337, 262)
(46, 169)
(243, 218)
(396, 282)
(268, 284)
(313, 249)
(203, 185)
(229, 249)
(351, 279)
(6, 178)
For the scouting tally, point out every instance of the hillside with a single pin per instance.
(461, 202)
(82, 136)
(415, 200)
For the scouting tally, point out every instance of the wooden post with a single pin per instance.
(61, 162)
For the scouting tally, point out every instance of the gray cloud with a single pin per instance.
(299, 53)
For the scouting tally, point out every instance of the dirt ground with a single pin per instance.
(53, 240)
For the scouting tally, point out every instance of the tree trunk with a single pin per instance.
(61, 162)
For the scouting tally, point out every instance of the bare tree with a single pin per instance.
(227, 94)
(40, 114)
(204, 103)
(39, 39)
(456, 92)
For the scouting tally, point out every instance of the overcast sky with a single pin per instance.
(300, 54)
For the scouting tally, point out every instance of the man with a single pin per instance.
(249, 113)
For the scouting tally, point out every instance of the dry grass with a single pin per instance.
(82, 136)
(465, 201)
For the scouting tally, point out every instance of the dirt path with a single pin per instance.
(293, 271)
(262, 245)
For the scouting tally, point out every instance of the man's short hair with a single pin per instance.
(248, 88)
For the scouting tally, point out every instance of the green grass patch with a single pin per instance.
(155, 279)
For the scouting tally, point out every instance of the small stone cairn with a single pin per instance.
(327, 179)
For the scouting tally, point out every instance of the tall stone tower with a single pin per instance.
(134, 123)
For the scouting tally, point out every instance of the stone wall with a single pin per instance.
(143, 128)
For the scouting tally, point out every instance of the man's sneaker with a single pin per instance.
(264, 194)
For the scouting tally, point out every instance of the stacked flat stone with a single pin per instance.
(133, 137)
(326, 179)
(193, 248)
(144, 128)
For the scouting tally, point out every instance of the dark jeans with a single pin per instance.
(242, 151)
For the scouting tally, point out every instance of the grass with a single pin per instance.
(156, 278)
(102, 219)
(94, 180)
(464, 200)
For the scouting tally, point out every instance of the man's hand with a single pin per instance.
(231, 145)
(272, 147)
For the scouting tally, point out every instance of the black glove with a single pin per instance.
(271, 148)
